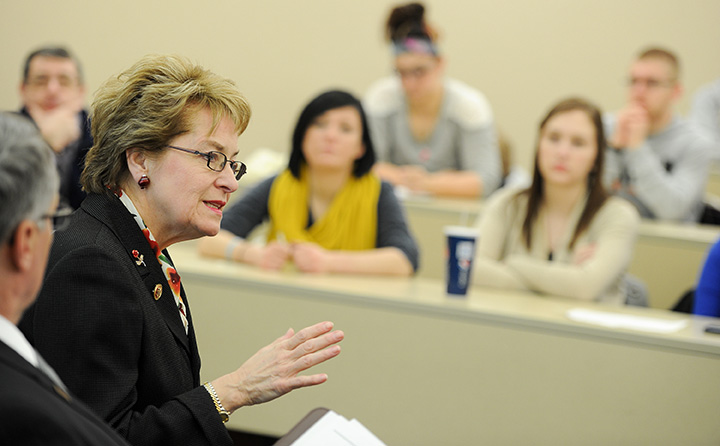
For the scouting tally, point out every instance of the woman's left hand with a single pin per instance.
(311, 258)
(275, 369)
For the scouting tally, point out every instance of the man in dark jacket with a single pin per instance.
(53, 92)
(35, 406)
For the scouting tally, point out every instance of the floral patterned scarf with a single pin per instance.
(168, 269)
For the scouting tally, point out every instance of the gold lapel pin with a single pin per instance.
(157, 292)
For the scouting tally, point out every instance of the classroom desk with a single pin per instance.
(497, 368)
(667, 256)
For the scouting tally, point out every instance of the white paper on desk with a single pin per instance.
(616, 320)
(362, 435)
(335, 430)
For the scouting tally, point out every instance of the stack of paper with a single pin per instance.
(616, 320)
(335, 430)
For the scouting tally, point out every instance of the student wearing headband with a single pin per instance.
(432, 134)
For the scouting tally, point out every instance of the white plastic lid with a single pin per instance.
(461, 231)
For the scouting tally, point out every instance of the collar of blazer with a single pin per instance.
(11, 359)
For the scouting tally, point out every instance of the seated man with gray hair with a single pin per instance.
(35, 406)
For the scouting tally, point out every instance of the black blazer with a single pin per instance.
(118, 348)
(34, 412)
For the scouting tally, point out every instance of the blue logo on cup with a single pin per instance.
(460, 253)
(464, 252)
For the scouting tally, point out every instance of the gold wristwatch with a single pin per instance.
(224, 414)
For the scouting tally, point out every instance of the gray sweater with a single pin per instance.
(464, 137)
(664, 178)
(705, 113)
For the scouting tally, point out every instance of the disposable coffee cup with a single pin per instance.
(459, 258)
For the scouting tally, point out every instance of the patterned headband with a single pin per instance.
(414, 45)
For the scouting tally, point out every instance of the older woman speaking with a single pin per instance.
(112, 317)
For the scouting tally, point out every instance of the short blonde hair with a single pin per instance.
(662, 54)
(148, 105)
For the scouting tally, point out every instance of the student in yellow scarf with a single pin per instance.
(327, 212)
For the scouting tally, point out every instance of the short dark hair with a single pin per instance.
(327, 101)
(408, 21)
(52, 51)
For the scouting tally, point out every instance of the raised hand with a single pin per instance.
(275, 369)
(632, 127)
(58, 126)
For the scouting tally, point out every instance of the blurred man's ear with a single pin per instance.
(23, 242)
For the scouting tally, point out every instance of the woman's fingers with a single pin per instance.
(308, 333)
(274, 369)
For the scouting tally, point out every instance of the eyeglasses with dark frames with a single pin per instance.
(216, 161)
(651, 83)
(60, 218)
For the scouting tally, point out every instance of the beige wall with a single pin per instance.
(523, 54)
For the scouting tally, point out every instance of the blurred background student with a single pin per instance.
(563, 235)
(705, 299)
(327, 212)
(655, 158)
(53, 95)
(432, 134)
(112, 317)
(705, 114)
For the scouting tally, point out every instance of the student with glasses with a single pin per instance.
(53, 94)
(432, 134)
(327, 212)
(655, 159)
(113, 318)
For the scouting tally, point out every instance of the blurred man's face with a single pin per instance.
(52, 82)
(653, 85)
